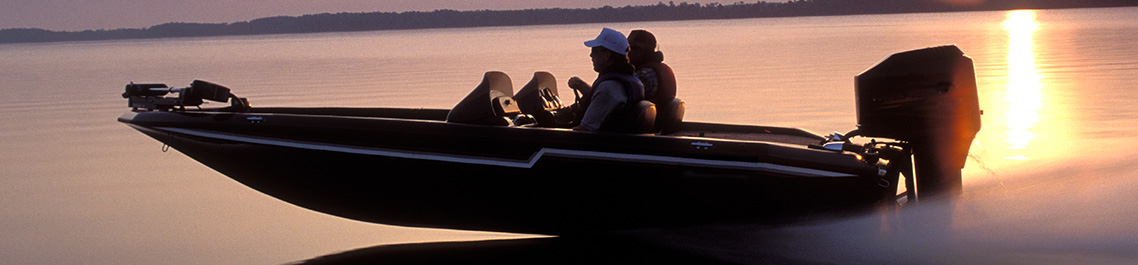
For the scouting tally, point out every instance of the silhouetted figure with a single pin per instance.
(658, 79)
(615, 92)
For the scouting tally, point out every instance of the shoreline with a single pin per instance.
(378, 21)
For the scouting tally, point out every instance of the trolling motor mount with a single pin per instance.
(152, 96)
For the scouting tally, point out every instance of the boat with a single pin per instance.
(509, 162)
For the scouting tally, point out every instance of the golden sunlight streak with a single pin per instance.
(1024, 94)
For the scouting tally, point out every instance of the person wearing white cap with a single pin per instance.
(615, 90)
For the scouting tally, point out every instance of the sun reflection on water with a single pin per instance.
(1024, 90)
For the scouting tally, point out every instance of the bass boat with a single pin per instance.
(500, 161)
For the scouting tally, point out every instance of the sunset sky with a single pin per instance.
(71, 15)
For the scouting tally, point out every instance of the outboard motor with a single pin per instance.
(927, 98)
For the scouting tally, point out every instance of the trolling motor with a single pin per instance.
(153, 96)
(926, 99)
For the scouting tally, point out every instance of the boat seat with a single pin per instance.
(539, 98)
(638, 119)
(645, 118)
(489, 104)
(669, 116)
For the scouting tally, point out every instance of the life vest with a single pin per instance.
(665, 83)
(633, 88)
(623, 117)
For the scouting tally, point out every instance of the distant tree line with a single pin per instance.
(487, 18)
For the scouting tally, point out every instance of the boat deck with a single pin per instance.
(784, 135)
(749, 136)
(792, 136)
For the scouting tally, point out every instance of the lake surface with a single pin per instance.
(1051, 177)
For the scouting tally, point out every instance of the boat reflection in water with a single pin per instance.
(591, 249)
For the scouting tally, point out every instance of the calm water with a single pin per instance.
(1052, 177)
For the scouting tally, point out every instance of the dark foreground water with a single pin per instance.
(1051, 178)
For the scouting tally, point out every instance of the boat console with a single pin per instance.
(538, 104)
(539, 98)
(491, 103)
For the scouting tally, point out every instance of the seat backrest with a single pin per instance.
(488, 103)
(638, 118)
(669, 117)
(646, 119)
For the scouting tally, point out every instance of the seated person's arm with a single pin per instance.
(579, 85)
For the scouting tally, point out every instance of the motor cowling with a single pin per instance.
(928, 98)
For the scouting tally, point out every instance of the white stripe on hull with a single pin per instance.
(515, 163)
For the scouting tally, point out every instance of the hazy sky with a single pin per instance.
(74, 15)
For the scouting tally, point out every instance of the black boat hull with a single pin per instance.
(427, 173)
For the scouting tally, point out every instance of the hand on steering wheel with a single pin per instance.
(579, 87)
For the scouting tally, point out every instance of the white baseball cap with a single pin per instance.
(610, 39)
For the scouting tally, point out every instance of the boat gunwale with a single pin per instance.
(690, 129)
(644, 144)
